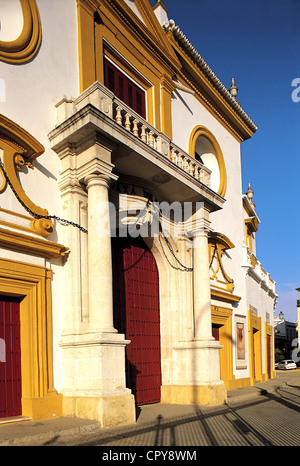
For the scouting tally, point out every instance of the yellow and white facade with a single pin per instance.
(108, 113)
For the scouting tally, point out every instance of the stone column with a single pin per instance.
(99, 255)
(201, 286)
(95, 356)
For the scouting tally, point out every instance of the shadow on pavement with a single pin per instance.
(220, 426)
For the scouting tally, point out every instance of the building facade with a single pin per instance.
(128, 263)
(286, 334)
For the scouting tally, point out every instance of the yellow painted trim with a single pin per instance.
(42, 226)
(19, 148)
(269, 330)
(140, 49)
(30, 245)
(218, 243)
(149, 33)
(223, 295)
(254, 322)
(32, 283)
(167, 87)
(210, 395)
(223, 316)
(203, 131)
(194, 77)
(239, 383)
(155, 28)
(25, 47)
(86, 45)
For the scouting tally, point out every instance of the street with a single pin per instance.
(271, 419)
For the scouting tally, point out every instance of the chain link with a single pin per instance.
(182, 268)
(65, 222)
(62, 221)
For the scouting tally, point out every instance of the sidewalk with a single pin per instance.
(28, 431)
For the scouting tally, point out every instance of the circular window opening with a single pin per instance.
(205, 148)
(205, 153)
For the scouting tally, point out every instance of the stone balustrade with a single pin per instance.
(105, 101)
(190, 164)
(140, 128)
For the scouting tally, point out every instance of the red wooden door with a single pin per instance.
(215, 331)
(136, 313)
(10, 367)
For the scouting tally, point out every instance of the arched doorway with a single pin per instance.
(136, 314)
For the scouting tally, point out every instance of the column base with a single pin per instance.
(211, 394)
(109, 410)
(43, 407)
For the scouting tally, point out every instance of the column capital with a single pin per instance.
(202, 230)
(99, 179)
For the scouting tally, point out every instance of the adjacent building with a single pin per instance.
(128, 269)
(286, 335)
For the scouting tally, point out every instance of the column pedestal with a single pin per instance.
(95, 379)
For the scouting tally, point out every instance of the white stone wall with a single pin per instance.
(187, 113)
(29, 92)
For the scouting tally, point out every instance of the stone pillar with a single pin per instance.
(99, 255)
(201, 286)
(94, 352)
(196, 368)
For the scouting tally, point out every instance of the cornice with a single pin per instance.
(174, 31)
(150, 34)
(30, 245)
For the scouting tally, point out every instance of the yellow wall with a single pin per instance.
(223, 316)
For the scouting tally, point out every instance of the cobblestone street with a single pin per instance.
(271, 419)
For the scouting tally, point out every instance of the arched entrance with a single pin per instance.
(136, 314)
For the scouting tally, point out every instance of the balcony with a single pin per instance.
(138, 149)
(256, 271)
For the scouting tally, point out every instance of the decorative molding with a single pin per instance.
(25, 47)
(30, 245)
(221, 295)
(20, 148)
(33, 285)
(203, 131)
(214, 80)
(218, 244)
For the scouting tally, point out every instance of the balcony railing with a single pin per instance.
(140, 128)
(103, 99)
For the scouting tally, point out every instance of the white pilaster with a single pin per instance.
(201, 286)
(99, 255)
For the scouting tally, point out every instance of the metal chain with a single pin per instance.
(182, 268)
(62, 221)
(65, 222)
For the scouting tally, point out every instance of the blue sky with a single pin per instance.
(258, 43)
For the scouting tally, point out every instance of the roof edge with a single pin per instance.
(170, 26)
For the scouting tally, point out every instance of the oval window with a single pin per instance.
(205, 148)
